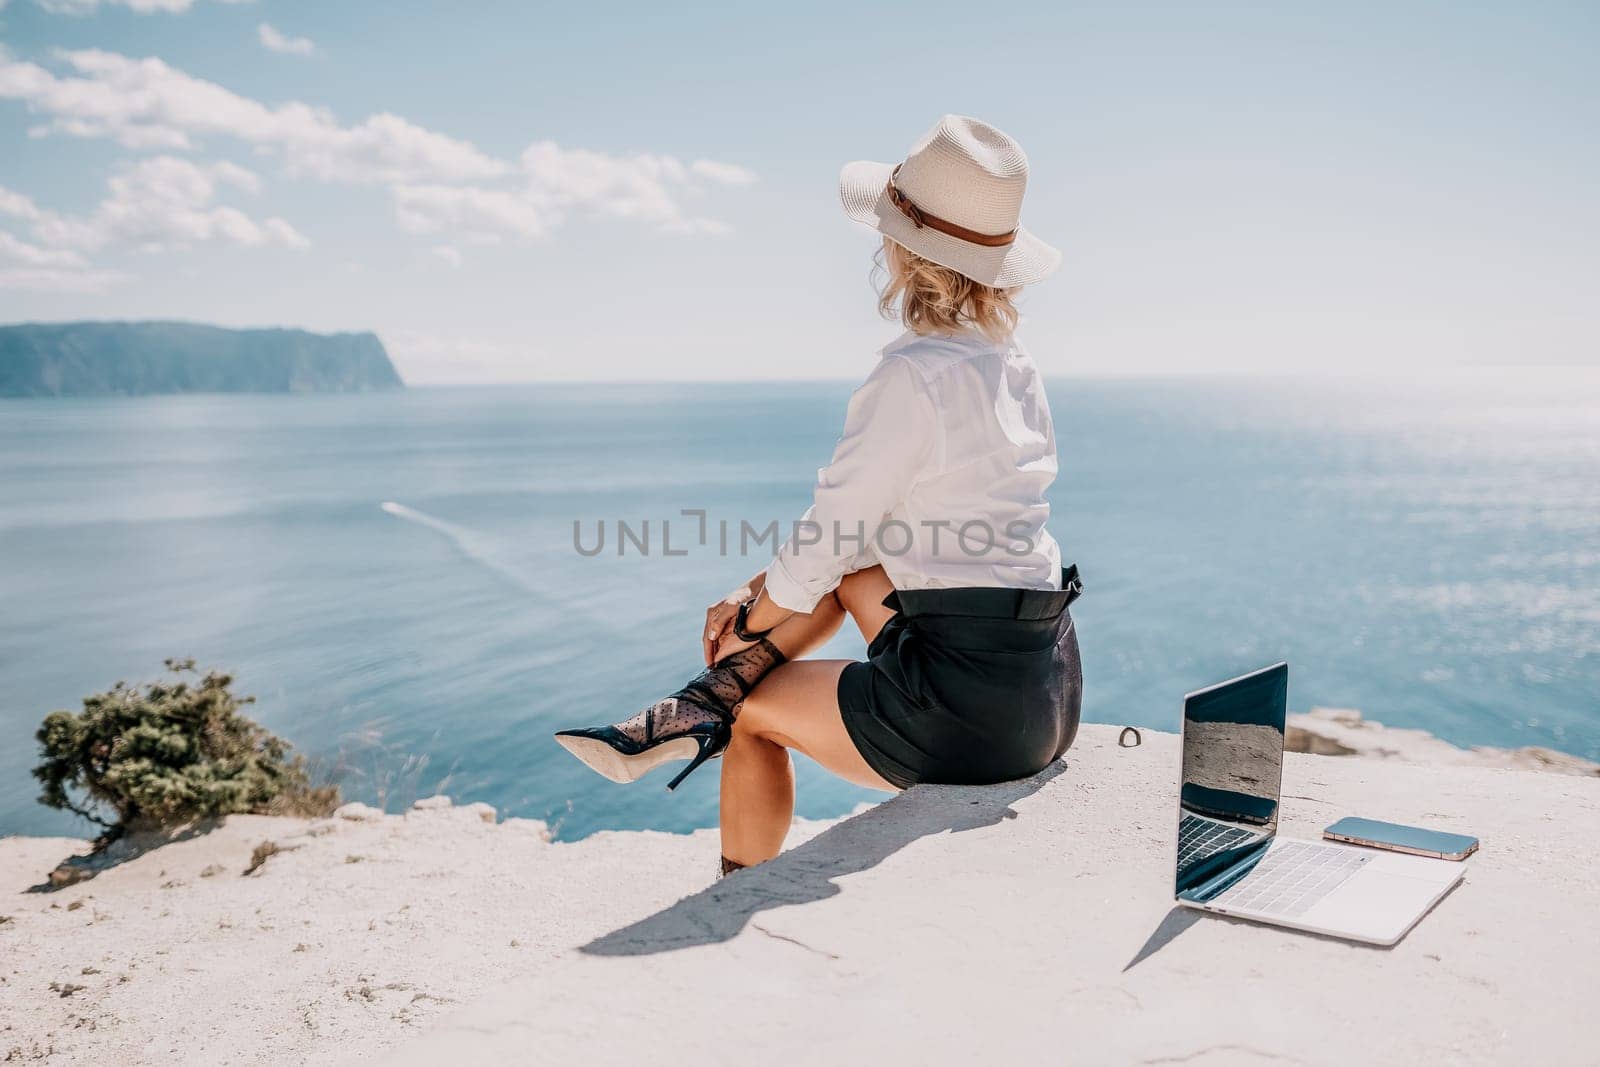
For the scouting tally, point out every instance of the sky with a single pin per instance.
(512, 191)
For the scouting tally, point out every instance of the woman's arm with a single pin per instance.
(719, 618)
(764, 614)
(889, 438)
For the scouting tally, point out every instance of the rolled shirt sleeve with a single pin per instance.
(889, 434)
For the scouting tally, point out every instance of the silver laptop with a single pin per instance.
(1230, 859)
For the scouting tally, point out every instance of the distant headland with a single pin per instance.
(136, 358)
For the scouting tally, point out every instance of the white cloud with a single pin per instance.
(449, 254)
(166, 202)
(723, 173)
(636, 187)
(425, 209)
(39, 267)
(438, 183)
(47, 280)
(157, 204)
(277, 231)
(17, 252)
(274, 41)
(235, 175)
(558, 183)
(17, 205)
(144, 103)
(384, 148)
(142, 7)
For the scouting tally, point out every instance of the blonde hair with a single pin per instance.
(929, 298)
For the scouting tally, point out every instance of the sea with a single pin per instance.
(408, 585)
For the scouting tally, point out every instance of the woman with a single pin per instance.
(927, 530)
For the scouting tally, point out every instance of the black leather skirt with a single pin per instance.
(967, 686)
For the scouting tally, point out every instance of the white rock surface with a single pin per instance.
(482, 812)
(351, 937)
(537, 827)
(1030, 922)
(358, 812)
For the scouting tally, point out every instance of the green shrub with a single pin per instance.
(169, 754)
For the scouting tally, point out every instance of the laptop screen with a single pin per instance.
(1232, 772)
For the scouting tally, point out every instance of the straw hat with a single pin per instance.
(956, 199)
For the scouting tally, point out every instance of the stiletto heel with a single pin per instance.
(708, 748)
(694, 723)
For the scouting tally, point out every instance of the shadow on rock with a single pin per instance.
(120, 850)
(1176, 922)
(807, 873)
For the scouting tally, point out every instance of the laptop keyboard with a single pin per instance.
(1199, 838)
(1291, 877)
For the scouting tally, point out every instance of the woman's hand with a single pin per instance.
(717, 639)
(763, 617)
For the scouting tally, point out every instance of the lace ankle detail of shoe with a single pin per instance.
(714, 695)
(674, 715)
(750, 665)
(729, 866)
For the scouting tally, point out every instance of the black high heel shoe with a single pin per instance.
(695, 723)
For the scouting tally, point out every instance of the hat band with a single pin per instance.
(944, 226)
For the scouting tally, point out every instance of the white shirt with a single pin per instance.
(940, 475)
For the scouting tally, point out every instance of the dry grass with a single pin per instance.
(263, 852)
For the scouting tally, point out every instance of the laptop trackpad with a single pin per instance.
(1374, 905)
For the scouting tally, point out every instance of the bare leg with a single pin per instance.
(796, 706)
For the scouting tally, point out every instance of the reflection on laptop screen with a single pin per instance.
(1232, 772)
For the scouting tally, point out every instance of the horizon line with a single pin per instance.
(1122, 374)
